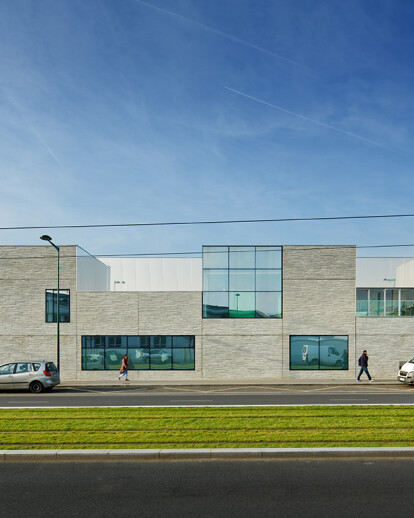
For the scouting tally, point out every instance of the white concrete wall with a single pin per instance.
(385, 272)
(154, 274)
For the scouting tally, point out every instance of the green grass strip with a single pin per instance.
(235, 427)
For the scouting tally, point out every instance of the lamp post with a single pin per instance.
(48, 238)
(237, 301)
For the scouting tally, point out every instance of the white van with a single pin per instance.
(326, 356)
(406, 373)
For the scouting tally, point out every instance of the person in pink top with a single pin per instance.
(124, 368)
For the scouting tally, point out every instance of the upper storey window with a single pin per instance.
(385, 302)
(52, 306)
(242, 282)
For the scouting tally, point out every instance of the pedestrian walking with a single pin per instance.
(124, 368)
(363, 363)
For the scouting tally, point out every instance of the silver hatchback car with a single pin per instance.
(35, 376)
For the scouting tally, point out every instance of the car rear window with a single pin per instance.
(50, 366)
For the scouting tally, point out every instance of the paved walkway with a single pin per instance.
(218, 383)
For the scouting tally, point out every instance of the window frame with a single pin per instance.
(228, 311)
(318, 368)
(384, 313)
(150, 348)
(54, 317)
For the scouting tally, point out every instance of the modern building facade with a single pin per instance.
(239, 313)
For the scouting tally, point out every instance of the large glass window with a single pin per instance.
(51, 306)
(242, 282)
(381, 302)
(319, 353)
(144, 352)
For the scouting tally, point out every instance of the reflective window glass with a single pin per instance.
(242, 305)
(138, 358)
(183, 341)
(268, 304)
(160, 341)
(333, 353)
(242, 280)
(113, 358)
(215, 280)
(23, 368)
(268, 280)
(376, 303)
(140, 355)
(215, 305)
(391, 303)
(138, 341)
(116, 342)
(361, 302)
(160, 358)
(407, 302)
(51, 306)
(268, 257)
(304, 352)
(183, 358)
(249, 269)
(319, 352)
(93, 359)
(215, 257)
(242, 257)
(7, 369)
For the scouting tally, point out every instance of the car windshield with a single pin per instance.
(412, 360)
(50, 366)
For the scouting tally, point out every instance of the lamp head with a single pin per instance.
(46, 238)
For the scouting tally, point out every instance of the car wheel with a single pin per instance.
(36, 387)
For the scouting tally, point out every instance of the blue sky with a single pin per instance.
(125, 111)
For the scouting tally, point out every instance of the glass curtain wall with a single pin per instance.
(384, 302)
(242, 282)
(144, 352)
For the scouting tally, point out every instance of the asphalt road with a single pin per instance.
(126, 395)
(246, 489)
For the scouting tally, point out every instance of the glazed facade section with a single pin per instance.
(242, 282)
(385, 302)
(144, 352)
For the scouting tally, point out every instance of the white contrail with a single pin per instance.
(35, 133)
(275, 107)
(225, 35)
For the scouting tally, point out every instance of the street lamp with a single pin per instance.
(48, 238)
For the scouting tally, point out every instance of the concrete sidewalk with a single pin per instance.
(205, 454)
(220, 383)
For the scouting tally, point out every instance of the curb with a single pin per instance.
(205, 454)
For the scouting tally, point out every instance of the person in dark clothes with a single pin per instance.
(363, 363)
